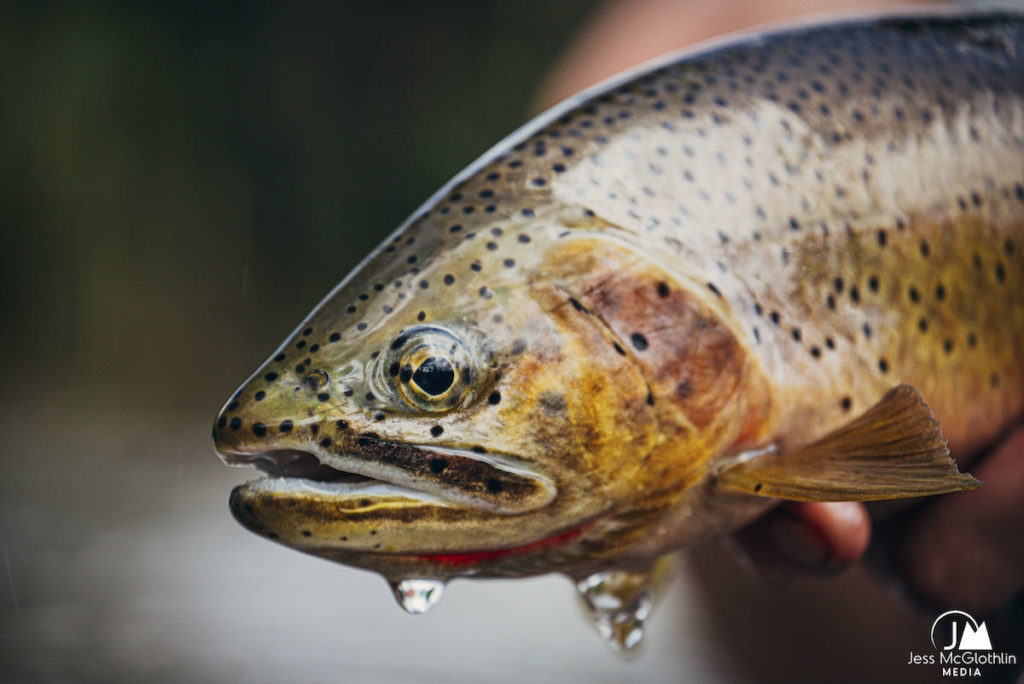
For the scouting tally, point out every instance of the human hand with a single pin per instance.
(964, 550)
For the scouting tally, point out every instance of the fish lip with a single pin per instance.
(363, 472)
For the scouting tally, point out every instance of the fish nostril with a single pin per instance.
(317, 378)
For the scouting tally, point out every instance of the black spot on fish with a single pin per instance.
(236, 423)
(436, 431)
(493, 485)
(259, 429)
(639, 341)
(285, 427)
(494, 398)
(846, 403)
(325, 442)
(437, 465)
(270, 377)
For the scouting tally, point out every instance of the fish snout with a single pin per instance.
(269, 413)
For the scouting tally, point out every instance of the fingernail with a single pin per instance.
(801, 543)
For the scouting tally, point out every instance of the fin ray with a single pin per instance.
(893, 450)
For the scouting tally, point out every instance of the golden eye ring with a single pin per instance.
(432, 369)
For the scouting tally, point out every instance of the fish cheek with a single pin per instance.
(586, 403)
(696, 371)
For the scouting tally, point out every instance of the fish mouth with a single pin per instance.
(431, 475)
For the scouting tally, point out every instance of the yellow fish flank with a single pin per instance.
(755, 272)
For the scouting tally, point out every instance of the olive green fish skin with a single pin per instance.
(746, 247)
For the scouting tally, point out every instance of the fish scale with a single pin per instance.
(739, 274)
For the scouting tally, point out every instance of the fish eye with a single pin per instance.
(434, 376)
(431, 368)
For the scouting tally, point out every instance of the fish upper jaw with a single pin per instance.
(491, 482)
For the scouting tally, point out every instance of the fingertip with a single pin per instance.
(804, 538)
(844, 527)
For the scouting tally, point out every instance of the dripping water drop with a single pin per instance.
(417, 596)
(618, 604)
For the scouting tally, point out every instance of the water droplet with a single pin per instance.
(417, 596)
(618, 604)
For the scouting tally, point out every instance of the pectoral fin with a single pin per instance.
(893, 450)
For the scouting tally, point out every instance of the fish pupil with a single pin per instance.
(434, 376)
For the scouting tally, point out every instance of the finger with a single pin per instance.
(804, 538)
(967, 550)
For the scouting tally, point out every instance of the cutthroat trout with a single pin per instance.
(767, 270)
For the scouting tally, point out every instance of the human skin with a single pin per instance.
(964, 550)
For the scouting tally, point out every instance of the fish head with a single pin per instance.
(453, 408)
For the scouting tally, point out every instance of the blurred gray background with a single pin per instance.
(179, 184)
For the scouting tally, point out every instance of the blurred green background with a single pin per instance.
(182, 181)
